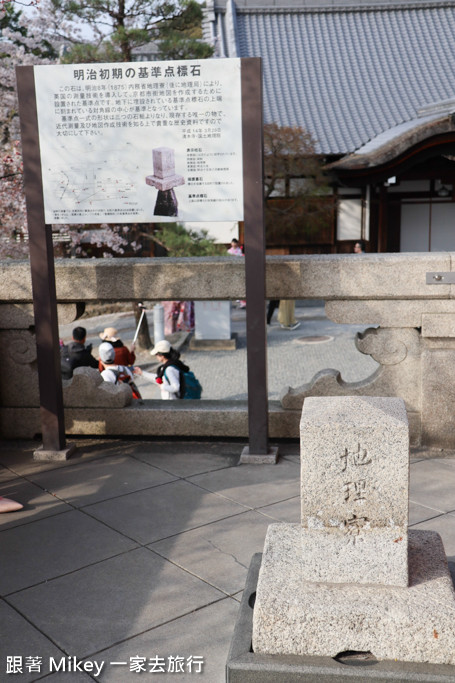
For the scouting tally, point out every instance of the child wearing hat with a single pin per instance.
(112, 371)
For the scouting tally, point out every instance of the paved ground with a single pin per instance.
(293, 360)
(137, 551)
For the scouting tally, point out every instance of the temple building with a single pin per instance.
(374, 84)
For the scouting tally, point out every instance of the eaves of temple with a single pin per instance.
(373, 82)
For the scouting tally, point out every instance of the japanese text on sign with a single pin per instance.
(105, 128)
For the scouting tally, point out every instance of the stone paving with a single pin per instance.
(133, 554)
(293, 359)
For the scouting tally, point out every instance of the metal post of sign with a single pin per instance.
(43, 279)
(253, 190)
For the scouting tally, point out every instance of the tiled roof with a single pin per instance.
(345, 71)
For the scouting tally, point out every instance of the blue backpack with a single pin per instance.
(190, 387)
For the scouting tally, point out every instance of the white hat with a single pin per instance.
(106, 352)
(162, 346)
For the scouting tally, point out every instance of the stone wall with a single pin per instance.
(413, 338)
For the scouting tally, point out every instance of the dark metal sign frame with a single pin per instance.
(42, 270)
(43, 275)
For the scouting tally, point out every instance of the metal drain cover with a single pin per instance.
(314, 340)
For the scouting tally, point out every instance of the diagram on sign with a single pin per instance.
(87, 184)
(98, 179)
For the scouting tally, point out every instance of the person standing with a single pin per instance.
(114, 372)
(272, 306)
(359, 247)
(76, 354)
(236, 250)
(169, 372)
(178, 316)
(123, 355)
(286, 314)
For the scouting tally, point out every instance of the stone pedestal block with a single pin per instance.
(49, 456)
(354, 490)
(163, 162)
(351, 577)
(414, 624)
(164, 177)
(244, 665)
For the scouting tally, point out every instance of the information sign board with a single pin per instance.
(141, 142)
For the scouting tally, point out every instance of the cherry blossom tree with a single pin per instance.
(47, 31)
(26, 40)
(18, 46)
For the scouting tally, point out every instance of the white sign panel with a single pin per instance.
(141, 142)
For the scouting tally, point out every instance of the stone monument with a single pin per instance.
(165, 178)
(212, 326)
(350, 576)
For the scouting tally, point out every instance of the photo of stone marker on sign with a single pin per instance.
(164, 178)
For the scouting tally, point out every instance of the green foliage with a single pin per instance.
(174, 26)
(181, 37)
(181, 241)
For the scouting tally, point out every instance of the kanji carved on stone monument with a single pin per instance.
(350, 576)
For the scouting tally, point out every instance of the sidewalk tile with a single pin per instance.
(6, 474)
(21, 639)
(205, 633)
(284, 511)
(97, 480)
(432, 483)
(91, 609)
(68, 677)
(186, 464)
(421, 513)
(37, 503)
(54, 546)
(254, 485)
(220, 553)
(163, 511)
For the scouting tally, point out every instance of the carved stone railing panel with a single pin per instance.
(414, 340)
(87, 389)
(18, 368)
(399, 353)
(18, 360)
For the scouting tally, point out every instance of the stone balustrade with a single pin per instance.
(413, 338)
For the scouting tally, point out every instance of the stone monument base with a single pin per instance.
(246, 666)
(213, 344)
(297, 617)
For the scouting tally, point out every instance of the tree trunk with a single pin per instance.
(143, 338)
